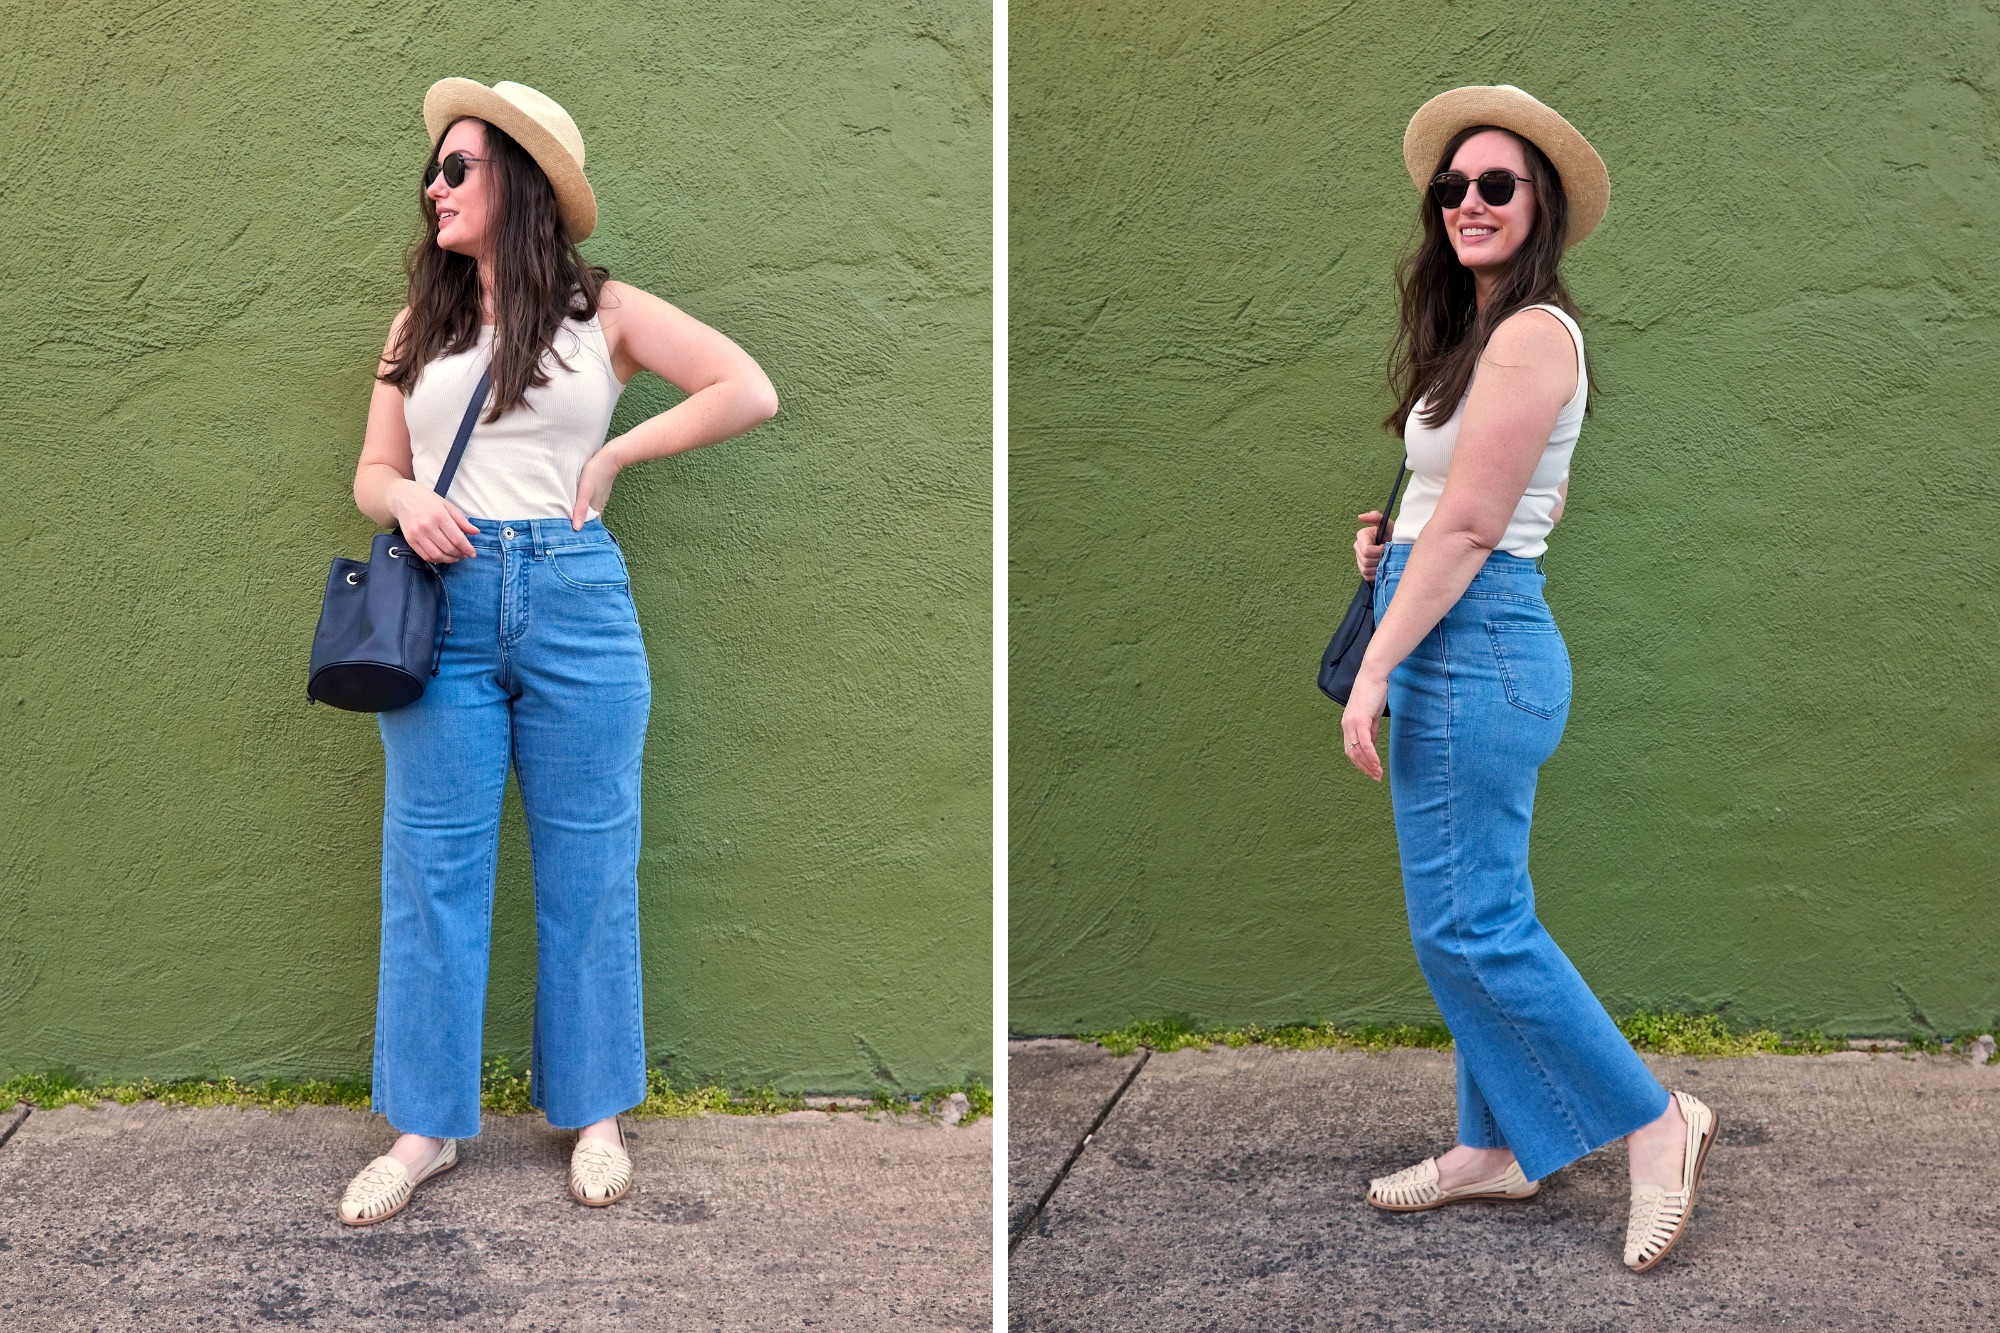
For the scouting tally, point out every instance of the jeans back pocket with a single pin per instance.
(1534, 664)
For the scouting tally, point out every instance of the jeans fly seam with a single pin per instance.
(515, 610)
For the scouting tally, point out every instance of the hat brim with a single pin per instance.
(455, 99)
(1586, 184)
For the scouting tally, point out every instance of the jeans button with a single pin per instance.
(508, 533)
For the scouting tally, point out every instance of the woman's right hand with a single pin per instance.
(433, 525)
(1367, 555)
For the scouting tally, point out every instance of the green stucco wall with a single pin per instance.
(204, 208)
(1778, 793)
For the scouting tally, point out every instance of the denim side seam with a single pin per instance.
(378, 1084)
(491, 873)
(638, 1053)
(1471, 962)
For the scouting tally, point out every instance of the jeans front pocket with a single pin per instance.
(593, 567)
(1534, 664)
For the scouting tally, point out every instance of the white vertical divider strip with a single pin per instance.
(999, 665)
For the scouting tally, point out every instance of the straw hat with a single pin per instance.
(1503, 106)
(536, 123)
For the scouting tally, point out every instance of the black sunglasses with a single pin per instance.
(452, 168)
(1496, 187)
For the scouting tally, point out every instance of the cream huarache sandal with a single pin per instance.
(1659, 1216)
(600, 1173)
(1415, 1189)
(385, 1185)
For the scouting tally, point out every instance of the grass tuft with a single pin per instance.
(1708, 1035)
(503, 1090)
(1174, 1034)
(978, 1100)
(48, 1091)
(1704, 1035)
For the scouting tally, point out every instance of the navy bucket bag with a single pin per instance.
(1341, 662)
(379, 639)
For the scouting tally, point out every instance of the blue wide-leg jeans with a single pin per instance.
(1474, 712)
(543, 672)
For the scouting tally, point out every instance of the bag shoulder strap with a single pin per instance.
(1382, 528)
(450, 468)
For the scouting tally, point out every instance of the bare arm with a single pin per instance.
(728, 392)
(1526, 374)
(385, 488)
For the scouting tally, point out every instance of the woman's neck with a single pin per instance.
(1484, 283)
(485, 274)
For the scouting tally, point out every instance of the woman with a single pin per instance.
(1467, 660)
(543, 669)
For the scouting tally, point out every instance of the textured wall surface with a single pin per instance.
(205, 207)
(1778, 793)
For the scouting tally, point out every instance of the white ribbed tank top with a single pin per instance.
(526, 464)
(1429, 450)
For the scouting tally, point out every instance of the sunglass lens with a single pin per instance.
(452, 169)
(1496, 187)
(1449, 189)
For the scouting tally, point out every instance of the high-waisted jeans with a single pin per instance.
(544, 672)
(1475, 711)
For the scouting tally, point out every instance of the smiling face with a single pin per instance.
(1484, 237)
(464, 212)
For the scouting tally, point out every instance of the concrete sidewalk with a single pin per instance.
(1223, 1191)
(154, 1218)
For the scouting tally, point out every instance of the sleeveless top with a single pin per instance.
(1429, 450)
(526, 464)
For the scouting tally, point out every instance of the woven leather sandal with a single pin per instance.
(385, 1185)
(1660, 1216)
(600, 1173)
(1415, 1189)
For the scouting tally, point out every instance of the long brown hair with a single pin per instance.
(539, 279)
(1443, 330)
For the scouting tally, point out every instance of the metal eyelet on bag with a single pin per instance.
(352, 578)
(395, 553)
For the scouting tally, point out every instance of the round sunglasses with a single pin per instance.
(1496, 187)
(452, 168)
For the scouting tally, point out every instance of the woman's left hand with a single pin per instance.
(593, 488)
(1365, 705)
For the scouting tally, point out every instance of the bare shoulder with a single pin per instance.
(1536, 342)
(1532, 333)
(617, 299)
(395, 336)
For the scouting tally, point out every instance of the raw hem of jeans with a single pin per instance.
(583, 1124)
(1539, 1170)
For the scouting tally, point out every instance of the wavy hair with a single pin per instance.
(540, 279)
(1443, 331)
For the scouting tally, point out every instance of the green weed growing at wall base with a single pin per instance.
(503, 1091)
(1699, 1035)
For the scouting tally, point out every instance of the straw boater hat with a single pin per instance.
(536, 123)
(1503, 106)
